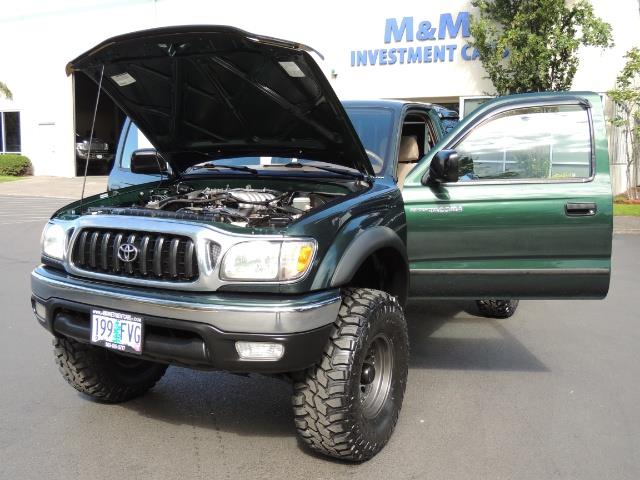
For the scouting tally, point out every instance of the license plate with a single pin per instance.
(117, 330)
(99, 157)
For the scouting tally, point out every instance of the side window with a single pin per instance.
(551, 142)
(135, 140)
(420, 126)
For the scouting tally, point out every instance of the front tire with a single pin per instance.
(497, 308)
(347, 406)
(102, 374)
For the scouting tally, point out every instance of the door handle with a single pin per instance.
(580, 209)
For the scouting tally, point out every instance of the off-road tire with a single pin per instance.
(102, 374)
(330, 413)
(497, 308)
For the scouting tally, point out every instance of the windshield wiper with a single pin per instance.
(215, 166)
(339, 171)
(212, 165)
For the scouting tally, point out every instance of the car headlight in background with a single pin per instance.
(268, 260)
(53, 241)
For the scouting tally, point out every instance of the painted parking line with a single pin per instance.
(25, 197)
(27, 205)
(36, 211)
(30, 202)
(7, 200)
(20, 217)
(39, 206)
(24, 221)
(30, 214)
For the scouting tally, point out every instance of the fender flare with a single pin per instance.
(361, 247)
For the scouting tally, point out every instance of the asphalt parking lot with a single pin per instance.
(553, 392)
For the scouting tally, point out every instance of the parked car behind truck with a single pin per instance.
(94, 157)
(281, 232)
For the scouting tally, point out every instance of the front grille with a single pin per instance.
(163, 257)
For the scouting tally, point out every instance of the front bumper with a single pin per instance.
(98, 156)
(191, 328)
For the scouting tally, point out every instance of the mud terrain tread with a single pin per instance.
(89, 370)
(321, 399)
(497, 308)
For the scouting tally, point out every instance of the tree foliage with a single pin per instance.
(5, 92)
(626, 96)
(532, 45)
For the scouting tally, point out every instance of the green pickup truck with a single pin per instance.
(281, 232)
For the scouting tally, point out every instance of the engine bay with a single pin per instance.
(242, 207)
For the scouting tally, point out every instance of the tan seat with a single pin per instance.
(408, 155)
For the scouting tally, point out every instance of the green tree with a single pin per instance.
(5, 92)
(626, 96)
(541, 39)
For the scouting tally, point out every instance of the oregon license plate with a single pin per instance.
(117, 330)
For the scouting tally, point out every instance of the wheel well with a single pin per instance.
(385, 270)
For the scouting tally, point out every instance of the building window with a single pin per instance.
(469, 104)
(10, 132)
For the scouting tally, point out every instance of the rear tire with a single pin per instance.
(102, 374)
(347, 406)
(497, 308)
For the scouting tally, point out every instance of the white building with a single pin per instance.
(405, 49)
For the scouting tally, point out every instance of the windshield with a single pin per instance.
(374, 126)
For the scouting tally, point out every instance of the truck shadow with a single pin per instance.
(451, 335)
(443, 335)
(222, 402)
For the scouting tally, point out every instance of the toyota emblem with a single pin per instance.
(127, 252)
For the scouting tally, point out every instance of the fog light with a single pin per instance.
(40, 310)
(260, 351)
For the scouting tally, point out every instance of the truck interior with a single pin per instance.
(417, 138)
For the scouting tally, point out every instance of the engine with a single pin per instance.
(243, 207)
(237, 206)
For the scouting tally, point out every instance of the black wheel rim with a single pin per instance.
(376, 376)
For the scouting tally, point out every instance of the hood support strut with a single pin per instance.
(93, 124)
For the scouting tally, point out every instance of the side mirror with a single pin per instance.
(148, 162)
(443, 168)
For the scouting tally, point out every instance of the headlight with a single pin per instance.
(268, 260)
(53, 239)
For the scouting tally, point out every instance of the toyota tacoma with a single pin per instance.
(279, 231)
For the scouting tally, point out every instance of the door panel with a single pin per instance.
(531, 216)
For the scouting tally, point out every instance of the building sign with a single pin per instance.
(414, 41)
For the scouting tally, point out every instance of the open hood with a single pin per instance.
(224, 92)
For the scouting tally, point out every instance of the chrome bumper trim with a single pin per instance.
(275, 316)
